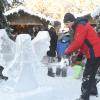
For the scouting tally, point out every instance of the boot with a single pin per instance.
(58, 71)
(94, 92)
(79, 99)
(64, 71)
(50, 72)
(1, 75)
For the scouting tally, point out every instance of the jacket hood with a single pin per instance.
(80, 20)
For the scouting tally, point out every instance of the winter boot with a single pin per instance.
(79, 99)
(64, 72)
(50, 72)
(58, 71)
(1, 75)
(94, 92)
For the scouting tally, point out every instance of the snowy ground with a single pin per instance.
(31, 81)
(46, 88)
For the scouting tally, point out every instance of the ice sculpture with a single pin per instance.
(7, 48)
(24, 67)
(41, 44)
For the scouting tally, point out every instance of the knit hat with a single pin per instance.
(69, 17)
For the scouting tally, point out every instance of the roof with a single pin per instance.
(28, 11)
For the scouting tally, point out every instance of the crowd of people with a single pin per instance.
(86, 41)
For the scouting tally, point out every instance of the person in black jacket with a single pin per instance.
(53, 35)
(53, 44)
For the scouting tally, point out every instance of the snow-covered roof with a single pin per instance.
(38, 14)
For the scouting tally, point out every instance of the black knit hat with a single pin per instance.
(69, 17)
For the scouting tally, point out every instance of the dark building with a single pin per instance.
(23, 20)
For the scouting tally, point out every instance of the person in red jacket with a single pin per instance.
(86, 39)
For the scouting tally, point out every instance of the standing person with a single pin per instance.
(53, 44)
(87, 40)
(53, 39)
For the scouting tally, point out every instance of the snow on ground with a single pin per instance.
(31, 81)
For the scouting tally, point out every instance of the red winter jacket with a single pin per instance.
(87, 40)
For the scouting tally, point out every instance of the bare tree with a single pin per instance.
(57, 8)
(13, 3)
